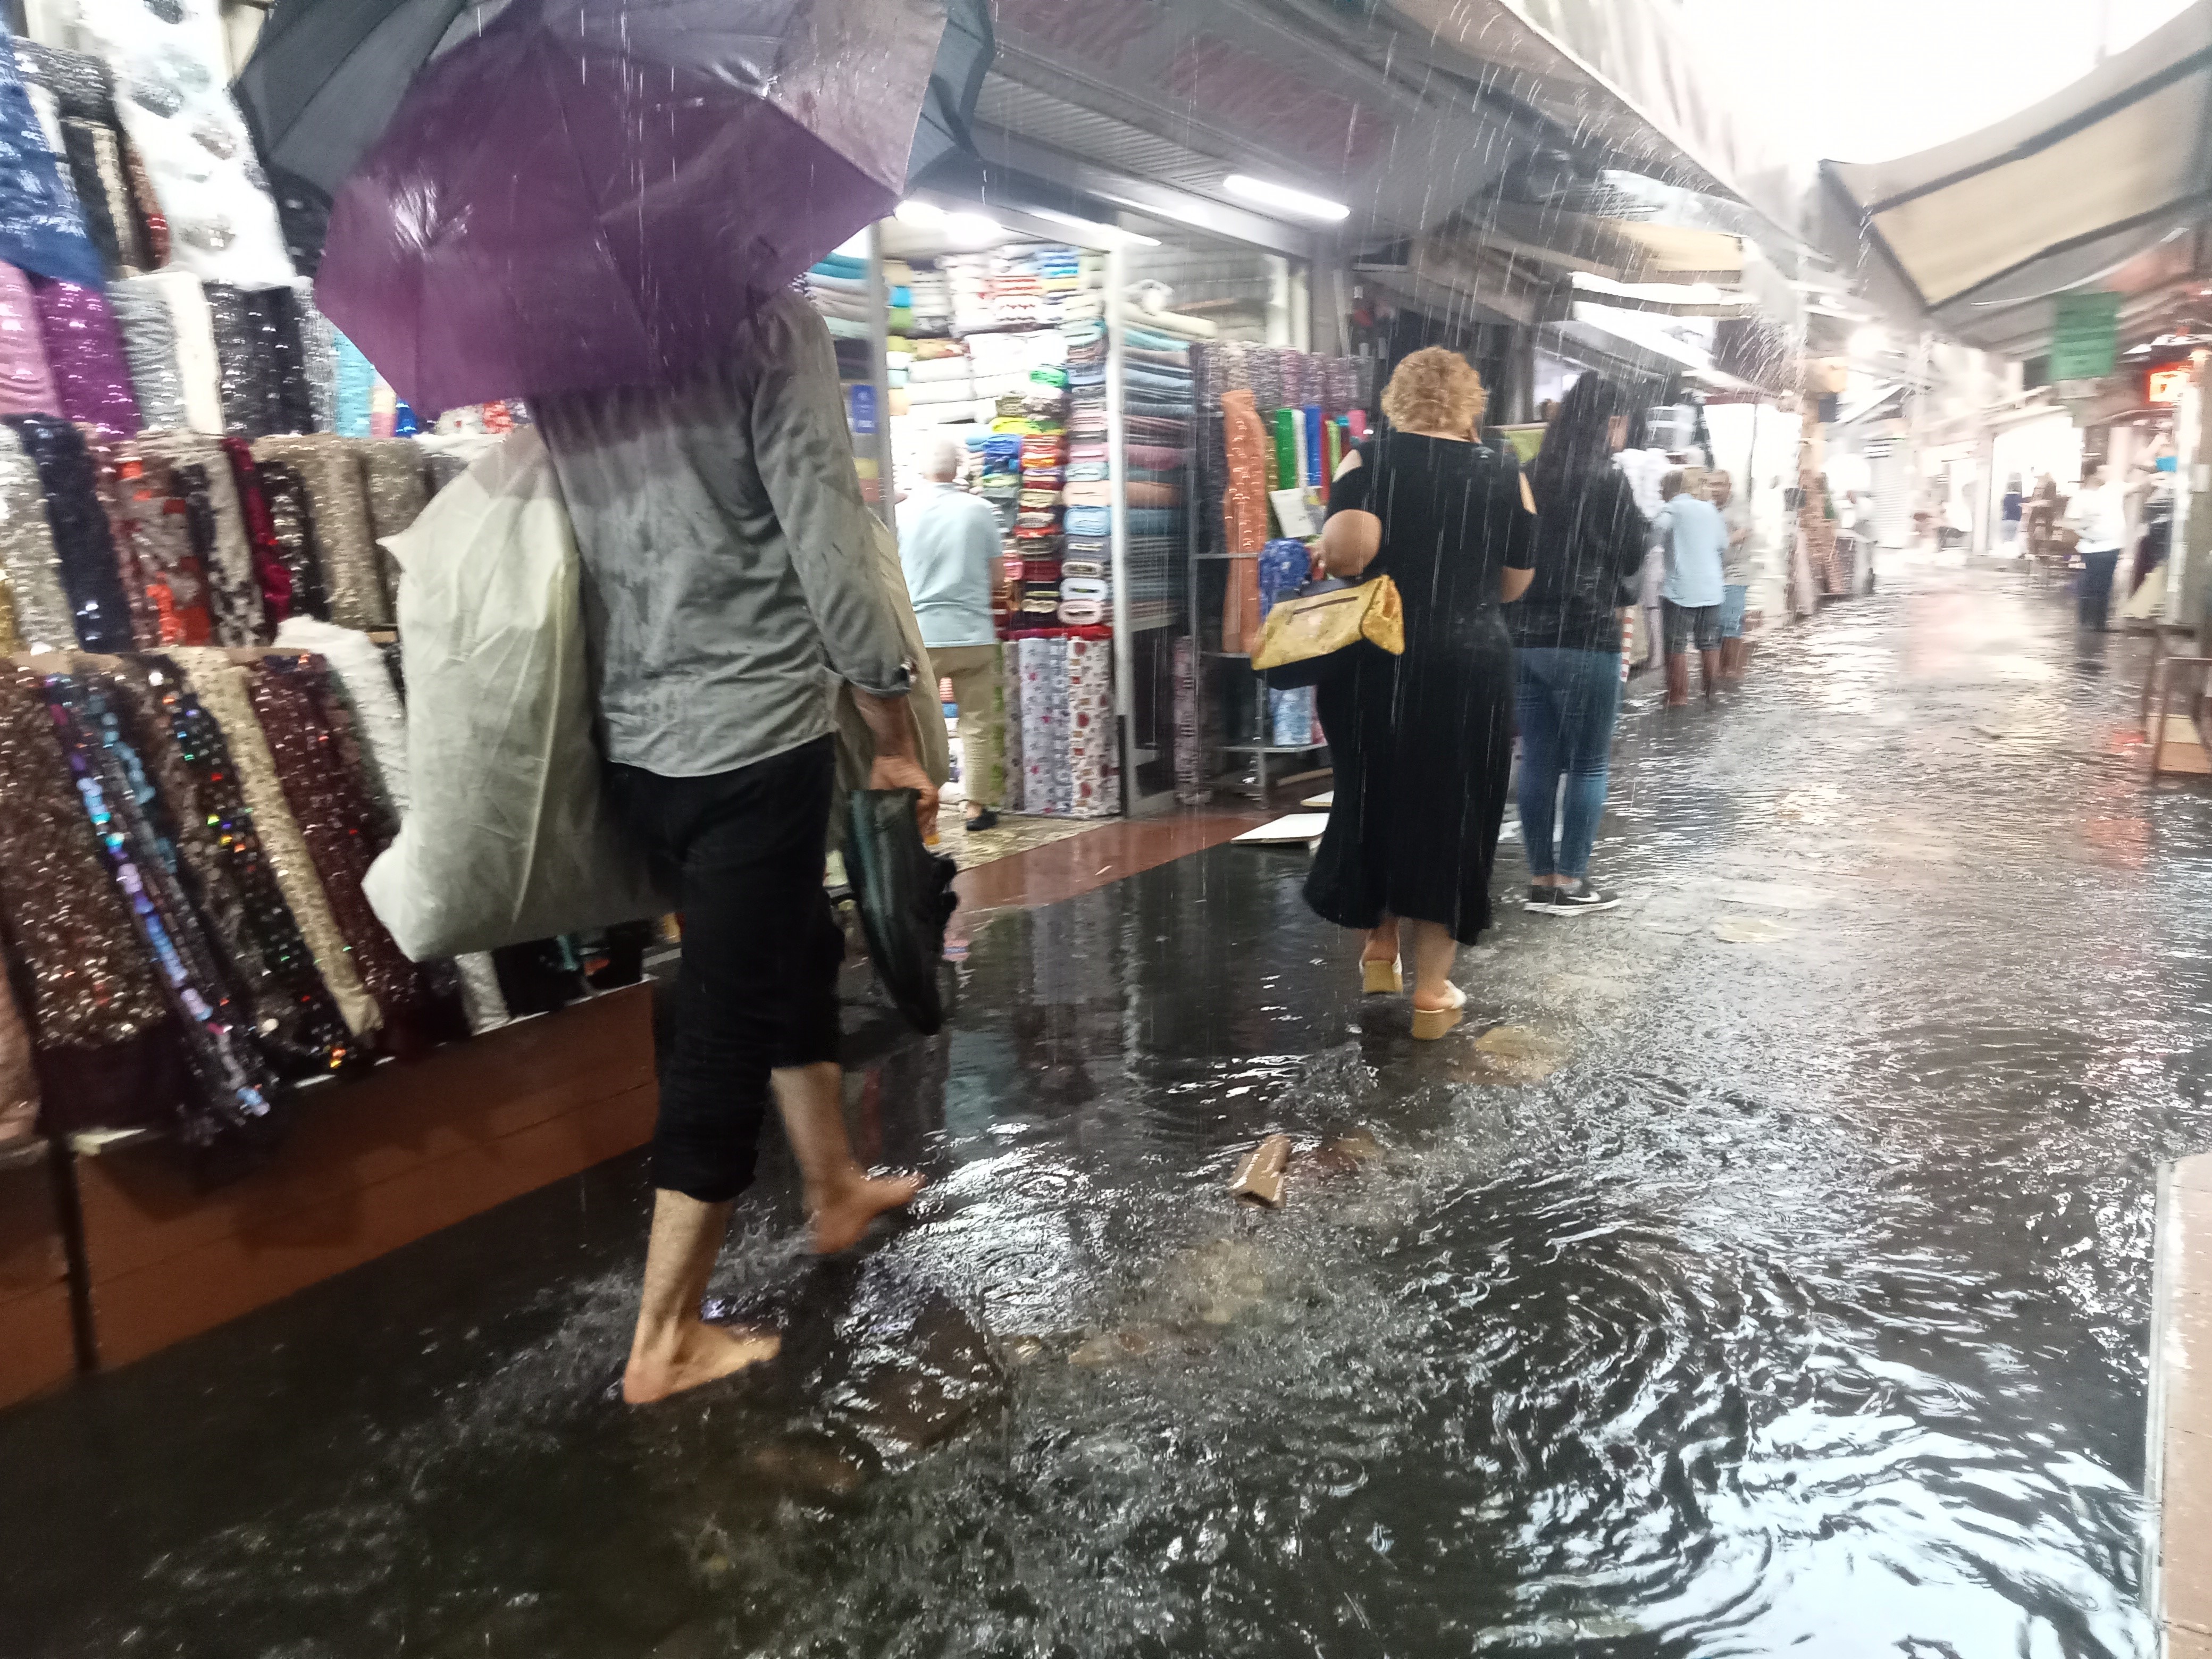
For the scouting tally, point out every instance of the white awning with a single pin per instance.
(2056, 197)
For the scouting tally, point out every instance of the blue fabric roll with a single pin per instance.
(41, 229)
(356, 384)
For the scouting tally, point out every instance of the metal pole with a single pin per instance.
(880, 371)
(1125, 645)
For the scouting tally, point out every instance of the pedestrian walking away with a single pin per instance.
(1423, 741)
(1694, 538)
(727, 557)
(949, 543)
(1737, 563)
(1591, 543)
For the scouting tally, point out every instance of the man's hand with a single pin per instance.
(899, 772)
(890, 723)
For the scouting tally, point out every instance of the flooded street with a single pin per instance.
(1763, 1267)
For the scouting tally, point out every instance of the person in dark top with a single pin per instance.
(1423, 743)
(1591, 543)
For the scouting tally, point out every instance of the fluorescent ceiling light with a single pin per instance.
(973, 227)
(922, 215)
(1100, 235)
(1281, 196)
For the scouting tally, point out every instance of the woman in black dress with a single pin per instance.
(1423, 743)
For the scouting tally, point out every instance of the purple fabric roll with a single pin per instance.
(86, 355)
(27, 385)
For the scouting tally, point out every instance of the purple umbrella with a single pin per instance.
(597, 192)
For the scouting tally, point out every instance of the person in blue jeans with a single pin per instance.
(1591, 543)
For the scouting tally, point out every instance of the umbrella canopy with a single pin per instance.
(321, 86)
(599, 193)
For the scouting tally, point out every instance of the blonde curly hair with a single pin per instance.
(1435, 390)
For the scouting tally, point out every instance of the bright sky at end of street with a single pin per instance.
(1871, 80)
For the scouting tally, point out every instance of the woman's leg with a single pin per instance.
(1382, 941)
(1434, 953)
(1590, 718)
(1540, 759)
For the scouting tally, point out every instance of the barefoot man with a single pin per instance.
(729, 584)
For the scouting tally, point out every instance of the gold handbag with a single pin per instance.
(1311, 628)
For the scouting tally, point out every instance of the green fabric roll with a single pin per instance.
(1284, 474)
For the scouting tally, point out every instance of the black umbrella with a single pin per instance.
(905, 895)
(326, 75)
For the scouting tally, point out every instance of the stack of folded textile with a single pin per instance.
(940, 390)
(967, 280)
(931, 301)
(999, 468)
(1037, 532)
(838, 288)
(1015, 294)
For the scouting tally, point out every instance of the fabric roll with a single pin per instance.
(295, 410)
(115, 189)
(292, 535)
(27, 384)
(91, 376)
(1013, 790)
(153, 224)
(90, 994)
(69, 481)
(225, 871)
(221, 688)
(257, 529)
(40, 602)
(19, 1074)
(156, 525)
(78, 81)
(482, 1001)
(149, 347)
(345, 546)
(246, 358)
(41, 229)
(236, 604)
(397, 482)
(1048, 788)
(1093, 767)
(1290, 718)
(319, 344)
(344, 831)
(379, 720)
(81, 148)
(191, 324)
(233, 1085)
(1245, 499)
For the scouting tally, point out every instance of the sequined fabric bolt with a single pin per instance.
(245, 353)
(160, 525)
(292, 527)
(70, 483)
(223, 869)
(232, 1081)
(43, 620)
(331, 467)
(234, 591)
(86, 356)
(27, 385)
(149, 344)
(220, 687)
(398, 485)
(90, 982)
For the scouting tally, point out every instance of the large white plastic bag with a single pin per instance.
(509, 839)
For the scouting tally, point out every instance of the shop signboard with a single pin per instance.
(2167, 385)
(2087, 344)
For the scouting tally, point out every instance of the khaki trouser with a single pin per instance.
(975, 672)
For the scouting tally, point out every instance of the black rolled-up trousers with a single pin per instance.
(742, 854)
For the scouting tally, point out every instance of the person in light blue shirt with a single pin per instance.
(948, 541)
(1694, 537)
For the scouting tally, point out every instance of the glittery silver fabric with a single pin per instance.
(344, 546)
(150, 343)
(29, 555)
(245, 356)
(398, 480)
(319, 354)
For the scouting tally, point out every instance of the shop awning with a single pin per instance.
(2054, 199)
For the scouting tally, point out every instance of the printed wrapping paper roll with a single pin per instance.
(338, 501)
(220, 687)
(90, 983)
(188, 762)
(292, 532)
(68, 480)
(344, 832)
(233, 585)
(43, 621)
(27, 385)
(232, 1081)
(149, 347)
(1094, 771)
(91, 376)
(191, 324)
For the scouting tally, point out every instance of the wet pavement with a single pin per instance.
(1764, 1267)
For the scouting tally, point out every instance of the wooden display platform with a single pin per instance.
(368, 1166)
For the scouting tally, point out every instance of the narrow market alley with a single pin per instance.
(1765, 1267)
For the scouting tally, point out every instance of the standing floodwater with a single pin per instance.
(1776, 1280)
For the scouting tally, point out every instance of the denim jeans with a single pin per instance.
(1567, 702)
(2096, 588)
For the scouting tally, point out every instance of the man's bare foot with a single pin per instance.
(840, 1220)
(701, 1353)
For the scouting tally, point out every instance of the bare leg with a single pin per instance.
(1678, 679)
(840, 1195)
(1712, 670)
(674, 1349)
(1434, 953)
(1381, 942)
